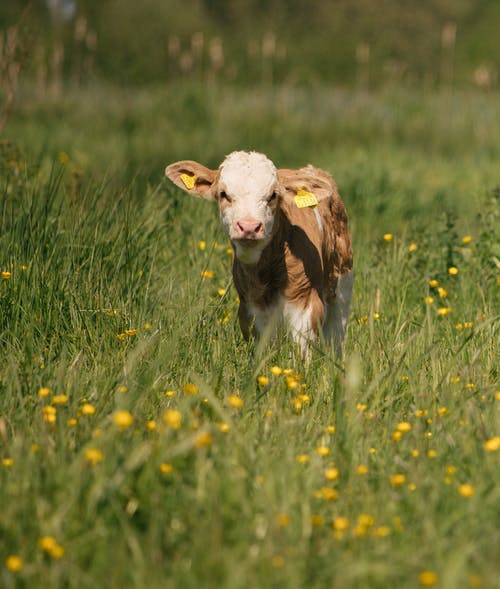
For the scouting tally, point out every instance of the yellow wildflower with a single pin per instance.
(14, 563)
(94, 455)
(263, 381)
(283, 520)
(44, 391)
(224, 427)
(466, 490)
(203, 439)
(341, 523)
(202, 245)
(397, 480)
(151, 425)
(388, 237)
(428, 300)
(466, 239)
(7, 462)
(412, 247)
(493, 444)
(172, 418)
(452, 271)
(6, 275)
(190, 388)
(323, 450)
(72, 422)
(208, 274)
(235, 401)
(443, 311)
(427, 578)
(59, 399)
(123, 419)
(130, 332)
(433, 283)
(317, 520)
(442, 292)
(275, 371)
(403, 427)
(166, 468)
(87, 409)
(362, 469)
(326, 493)
(49, 413)
(221, 292)
(331, 474)
(302, 458)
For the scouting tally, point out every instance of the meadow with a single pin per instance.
(143, 443)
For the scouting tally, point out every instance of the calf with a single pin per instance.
(293, 256)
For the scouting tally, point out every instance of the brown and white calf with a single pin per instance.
(293, 256)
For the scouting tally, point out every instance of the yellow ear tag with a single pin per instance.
(188, 181)
(305, 199)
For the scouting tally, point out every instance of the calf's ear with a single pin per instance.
(306, 186)
(194, 178)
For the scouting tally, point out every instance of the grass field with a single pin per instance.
(144, 444)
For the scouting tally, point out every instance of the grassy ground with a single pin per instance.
(144, 444)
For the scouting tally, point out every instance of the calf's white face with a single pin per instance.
(247, 191)
(247, 188)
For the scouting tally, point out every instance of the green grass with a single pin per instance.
(98, 244)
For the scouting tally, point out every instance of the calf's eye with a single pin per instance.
(223, 196)
(273, 197)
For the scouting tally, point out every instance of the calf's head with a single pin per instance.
(248, 189)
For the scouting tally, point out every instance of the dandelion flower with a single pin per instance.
(427, 578)
(44, 391)
(362, 469)
(381, 531)
(6, 275)
(466, 239)
(428, 300)
(433, 283)
(492, 445)
(72, 422)
(224, 427)
(330, 429)
(323, 450)
(202, 245)
(123, 419)
(190, 388)
(276, 371)
(151, 425)
(341, 523)
(131, 332)
(7, 462)
(14, 563)
(203, 439)
(49, 413)
(443, 311)
(235, 401)
(87, 409)
(166, 468)
(317, 520)
(397, 480)
(466, 490)
(442, 292)
(412, 247)
(263, 381)
(388, 237)
(452, 270)
(331, 474)
(326, 493)
(403, 427)
(94, 455)
(221, 292)
(172, 418)
(59, 399)
(302, 458)
(208, 274)
(283, 520)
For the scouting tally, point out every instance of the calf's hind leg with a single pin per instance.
(337, 315)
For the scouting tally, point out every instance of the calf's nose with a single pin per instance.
(249, 229)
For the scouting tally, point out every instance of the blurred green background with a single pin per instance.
(345, 42)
